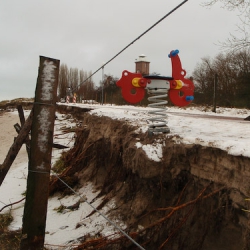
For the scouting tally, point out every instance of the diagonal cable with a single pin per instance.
(106, 218)
(168, 14)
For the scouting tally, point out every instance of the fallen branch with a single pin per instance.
(11, 204)
(59, 146)
(22, 120)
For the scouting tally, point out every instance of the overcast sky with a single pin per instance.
(84, 34)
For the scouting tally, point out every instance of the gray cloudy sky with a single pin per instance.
(86, 33)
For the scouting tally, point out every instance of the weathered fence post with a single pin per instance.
(22, 121)
(35, 209)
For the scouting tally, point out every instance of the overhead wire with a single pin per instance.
(151, 27)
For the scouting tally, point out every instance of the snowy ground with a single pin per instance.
(187, 125)
(193, 125)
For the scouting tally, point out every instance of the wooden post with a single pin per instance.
(22, 121)
(35, 209)
(21, 114)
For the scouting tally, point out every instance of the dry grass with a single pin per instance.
(9, 240)
(10, 104)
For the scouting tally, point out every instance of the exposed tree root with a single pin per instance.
(119, 241)
(165, 208)
(12, 204)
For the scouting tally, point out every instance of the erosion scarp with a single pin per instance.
(193, 198)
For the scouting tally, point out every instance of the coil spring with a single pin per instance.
(158, 123)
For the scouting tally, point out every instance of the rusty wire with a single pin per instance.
(106, 218)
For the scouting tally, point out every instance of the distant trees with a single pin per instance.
(80, 82)
(63, 80)
(87, 88)
(232, 67)
(233, 89)
(234, 42)
(75, 80)
(109, 92)
(233, 70)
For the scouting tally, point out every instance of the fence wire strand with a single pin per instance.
(105, 217)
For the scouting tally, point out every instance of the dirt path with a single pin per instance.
(209, 116)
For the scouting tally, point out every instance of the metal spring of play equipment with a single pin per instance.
(158, 123)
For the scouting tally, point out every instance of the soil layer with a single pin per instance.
(194, 198)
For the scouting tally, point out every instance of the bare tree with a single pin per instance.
(81, 90)
(73, 79)
(86, 87)
(229, 4)
(243, 6)
(90, 87)
(63, 80)
(233, 70)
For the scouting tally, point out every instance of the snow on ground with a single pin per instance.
(154, 152)
(191, 126)
(187, 125)
(62, 228)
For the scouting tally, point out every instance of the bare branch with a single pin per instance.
(243, 6)
(12, 204)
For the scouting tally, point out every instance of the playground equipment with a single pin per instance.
(179, 89)
(74, 98)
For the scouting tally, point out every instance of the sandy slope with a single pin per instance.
(7, 134)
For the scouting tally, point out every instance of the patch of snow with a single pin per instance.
(48, 80)
(153, 152)
(43, 119)
(187, 125)
(190, 125)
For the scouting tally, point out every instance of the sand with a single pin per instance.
(7, 134)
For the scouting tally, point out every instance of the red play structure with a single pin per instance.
(180, 89)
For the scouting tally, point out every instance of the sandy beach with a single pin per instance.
(7, 134)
